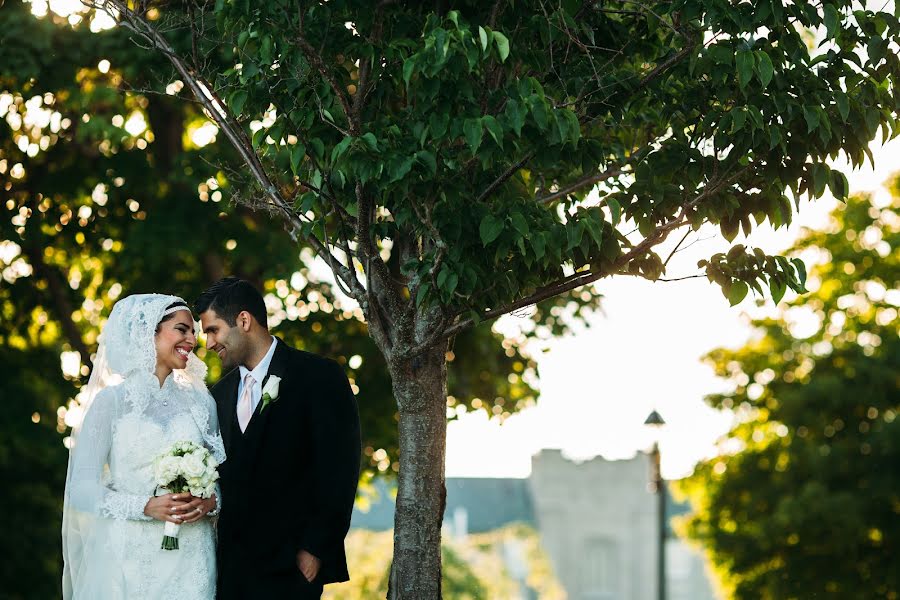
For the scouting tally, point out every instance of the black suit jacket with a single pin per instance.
(289, 481)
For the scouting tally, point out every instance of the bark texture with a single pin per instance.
(420, 388)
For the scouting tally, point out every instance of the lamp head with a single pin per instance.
(654, 420)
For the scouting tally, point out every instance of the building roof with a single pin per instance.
(490, 503)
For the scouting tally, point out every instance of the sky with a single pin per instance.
(643, 352)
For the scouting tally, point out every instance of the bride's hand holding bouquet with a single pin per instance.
(186, 476)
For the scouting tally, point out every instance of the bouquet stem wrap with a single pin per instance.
(170, 536)
(186, 468)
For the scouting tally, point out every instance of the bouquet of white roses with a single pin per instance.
(185, 467)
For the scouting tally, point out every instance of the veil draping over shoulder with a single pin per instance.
(122, 381)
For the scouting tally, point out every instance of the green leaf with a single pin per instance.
(408, 65)
(539, 110)
(306, 201)
(422, 293)
(437, 124)
(520, 224)
(515, 115)
(839, 185)
(340, 148)
(615, 210)
(236, 101)
(562, 126)
(745, 63)
(738, 118)
(812, 118)
(801, 270)
(452, 282)
(820, 179)
(737, 292)
(482, 36)
(248, 71)
(764, 68)
(502, 45)
(720, 54)
(843, 105)
(832, 20)
(774, 136)
(494, 128)
(370, 141)
(474, 133)
(729, 229)
(778, 288)
(258, 136)
(428, 159)
(265, 50)
(540, 245)
(574, 233)
(298, 151)
(398, 169)
(318, 148)
(490, 229)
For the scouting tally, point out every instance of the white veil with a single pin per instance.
(124, 370)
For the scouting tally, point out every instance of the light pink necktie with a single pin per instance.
(245, 404)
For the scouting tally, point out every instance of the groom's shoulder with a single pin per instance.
(225, 382)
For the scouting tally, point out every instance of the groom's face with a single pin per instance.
(230, 342)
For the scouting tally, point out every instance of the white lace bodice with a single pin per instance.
(128, 426)
(111, 480)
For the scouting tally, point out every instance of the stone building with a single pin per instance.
(596, 519)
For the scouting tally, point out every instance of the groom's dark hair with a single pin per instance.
(229, 297)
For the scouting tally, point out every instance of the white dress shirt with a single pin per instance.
(258, 373)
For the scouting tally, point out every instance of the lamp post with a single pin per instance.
(655, 423)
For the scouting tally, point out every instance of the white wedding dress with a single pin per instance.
(111, 549)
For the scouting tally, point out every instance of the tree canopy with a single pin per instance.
(110, 188)
(805, 501)
(456, 161)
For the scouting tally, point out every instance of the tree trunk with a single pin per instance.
(420, 388)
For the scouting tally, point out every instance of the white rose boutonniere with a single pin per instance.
(270, 391)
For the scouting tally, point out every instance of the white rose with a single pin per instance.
(192, 466)
(272, 386)
(166, 469)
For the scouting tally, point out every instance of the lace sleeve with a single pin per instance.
(215, 512)
(90, 457)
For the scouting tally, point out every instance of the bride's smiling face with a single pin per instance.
(175, 340)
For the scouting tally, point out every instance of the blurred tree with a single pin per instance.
(805, 500)
(474, 567)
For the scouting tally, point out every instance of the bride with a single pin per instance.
(146, 392)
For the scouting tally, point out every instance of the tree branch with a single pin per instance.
(582, 278)
(581, 183)
(202, 90)
(504, 177)
(313, 57)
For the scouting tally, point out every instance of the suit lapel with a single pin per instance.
(256, 428)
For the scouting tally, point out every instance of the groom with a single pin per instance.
(291, 431)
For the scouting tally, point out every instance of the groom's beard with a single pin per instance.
(238, 348)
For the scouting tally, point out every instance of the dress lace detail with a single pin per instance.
(111, 549)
